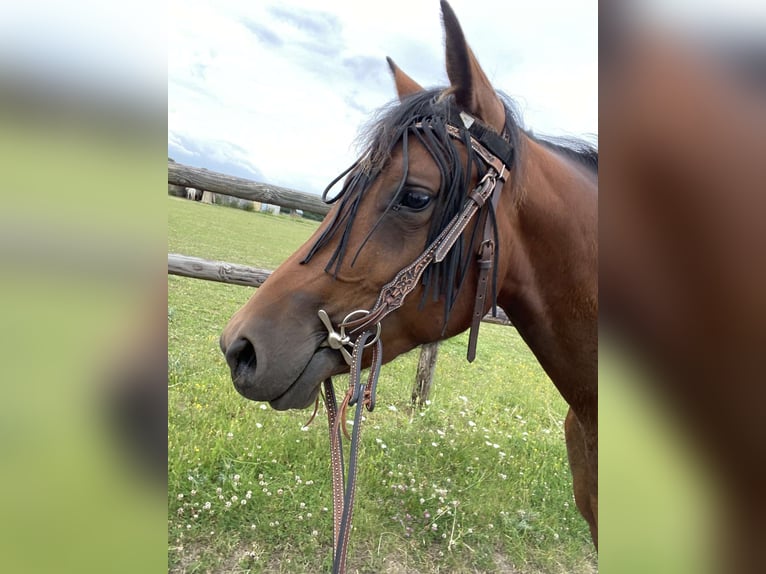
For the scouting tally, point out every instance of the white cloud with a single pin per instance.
(290, 84)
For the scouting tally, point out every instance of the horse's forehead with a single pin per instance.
(420, 162)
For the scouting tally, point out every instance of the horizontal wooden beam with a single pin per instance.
(199, 178)
(223, 272)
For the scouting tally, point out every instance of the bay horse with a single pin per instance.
(419, 170)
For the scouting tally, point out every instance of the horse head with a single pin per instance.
(412, 179)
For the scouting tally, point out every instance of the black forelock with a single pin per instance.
(394, 125)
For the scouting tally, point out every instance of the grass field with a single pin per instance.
(476, 482)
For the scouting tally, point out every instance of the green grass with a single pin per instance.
(476, 482)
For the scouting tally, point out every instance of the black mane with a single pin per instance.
(579, 151)
(395, 125)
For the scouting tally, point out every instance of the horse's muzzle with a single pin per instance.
(241, 358)
(293, 388)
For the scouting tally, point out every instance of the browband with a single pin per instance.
(485, 135)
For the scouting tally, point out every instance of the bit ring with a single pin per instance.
(363, 313)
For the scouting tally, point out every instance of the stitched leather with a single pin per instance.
(344, 487)
(390, 298)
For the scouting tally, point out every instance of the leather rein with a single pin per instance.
(497, 154)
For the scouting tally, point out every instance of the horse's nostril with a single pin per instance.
(240, 355)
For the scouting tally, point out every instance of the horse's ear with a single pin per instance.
(405, 86)
(470, 85)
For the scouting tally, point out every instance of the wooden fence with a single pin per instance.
(180, 175)
(220, 271)
(198, 178)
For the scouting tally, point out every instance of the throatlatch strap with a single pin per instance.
(486, 261)
(485, 264)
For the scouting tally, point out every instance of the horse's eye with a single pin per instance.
(415, 200)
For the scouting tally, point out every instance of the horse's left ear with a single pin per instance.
(469, 83)
(405, 85)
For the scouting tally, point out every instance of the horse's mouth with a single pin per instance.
(303, 391)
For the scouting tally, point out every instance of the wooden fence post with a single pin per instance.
(425, 374)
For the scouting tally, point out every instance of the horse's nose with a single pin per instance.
(240, 357)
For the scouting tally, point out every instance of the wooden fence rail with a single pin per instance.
(220, 271)
(198, 178)
(223, 272)
(180, 176)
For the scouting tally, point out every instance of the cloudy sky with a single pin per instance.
(277, 90)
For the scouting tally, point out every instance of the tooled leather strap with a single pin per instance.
(363, 396)
(336, 458)
(392, 297)
(394, 292)
(492, 160)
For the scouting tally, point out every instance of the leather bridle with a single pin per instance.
(361, 328)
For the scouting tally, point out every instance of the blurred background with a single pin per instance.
(682, 133)
(82, 288)
(82, 251)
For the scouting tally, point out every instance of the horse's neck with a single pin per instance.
(550, 288)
